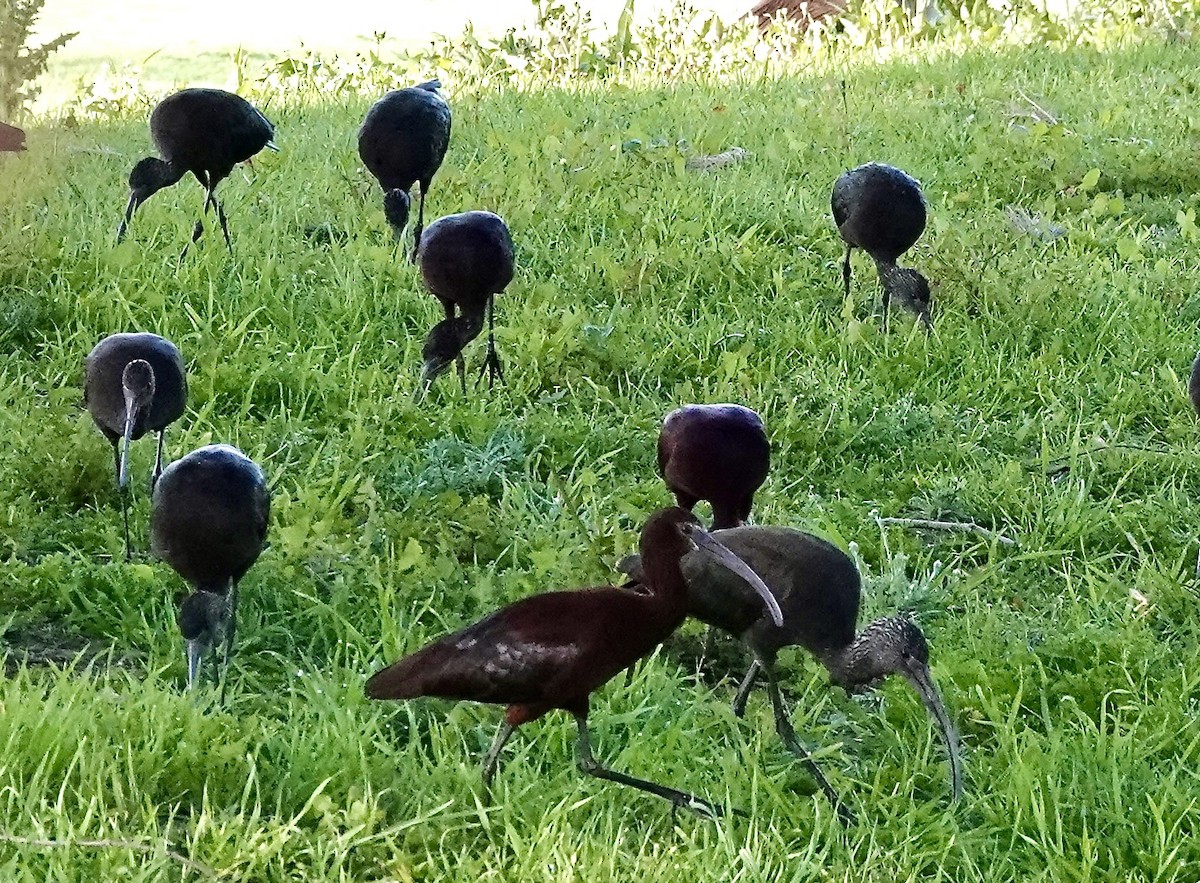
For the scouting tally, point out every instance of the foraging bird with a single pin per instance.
(402, 142)
(1194, 384)
(881, 210)
(465, 260)
(717, 453)
(134, 384)
(209, 522)
(203, 131)
(818, 589)
(553, 650)
(11, 138)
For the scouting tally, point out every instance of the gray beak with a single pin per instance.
(704, 540)
(123, 474)
(922, 682)
(129, 210)
(195, 655)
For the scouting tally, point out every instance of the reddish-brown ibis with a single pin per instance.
(717, 453)
(818, 589)
(1194, 384)
(552, 651)
(402, 142)
(134, 384)
(203, 131)
(881, 210)
(209, 522)
(11, 138)
(465, 260)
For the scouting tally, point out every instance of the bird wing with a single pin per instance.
(543, 649)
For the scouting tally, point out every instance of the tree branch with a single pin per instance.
(966, 526)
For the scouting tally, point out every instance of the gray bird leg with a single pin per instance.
(783, 726)
(124, 499)
(592, 767)
(158, 467)
(492, 758)
(491, 362)
(420, 227)
(224, 222)
(743, 691)
(230, 633)
(846, 269)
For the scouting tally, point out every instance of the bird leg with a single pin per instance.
(198, 230)
(224, 221)
(420, 228)
(592, 767)
(783, 725)
(124, 499)
(491, 362)
(743, 691)
(846, 269)
(492, 758)
(230, 632)
(158, 467)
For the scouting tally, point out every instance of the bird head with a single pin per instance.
(444, 343)
(137, 385)
(396, 204)
(203, 621)
(911, 290)
(149, 176)
(442, 346)
(895, 645)
(669, 534)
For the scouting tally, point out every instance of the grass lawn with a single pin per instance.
(1048, 404)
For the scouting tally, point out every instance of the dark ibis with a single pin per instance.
(818, 589)
(402, 142)
(134, 384)
(209, 522)
(881, 210)
(1194, 384)
(203, 131)
(551, 651)
(717, 453)
(465, 260)
(11, 138)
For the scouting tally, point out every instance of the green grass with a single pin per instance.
(1069, 662)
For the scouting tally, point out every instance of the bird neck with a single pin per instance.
(852, 666)
(668, 597)
(889, 272)
(167, 174)
(467, 326)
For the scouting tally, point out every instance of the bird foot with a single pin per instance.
(491, 365)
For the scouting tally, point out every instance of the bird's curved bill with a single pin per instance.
(123, 472)
(429, 373)
(134, 202)
(704, 540)
(923, 683)
(195, 655)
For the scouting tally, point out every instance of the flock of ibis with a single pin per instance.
(770, 587)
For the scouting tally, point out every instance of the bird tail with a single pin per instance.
(394, 682)
(430, 85)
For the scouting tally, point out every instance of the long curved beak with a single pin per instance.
(123, 473)
(129, 210)
(922, 682)
(195, 655)
(704, 540)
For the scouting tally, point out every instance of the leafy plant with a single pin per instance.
(20, 63)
